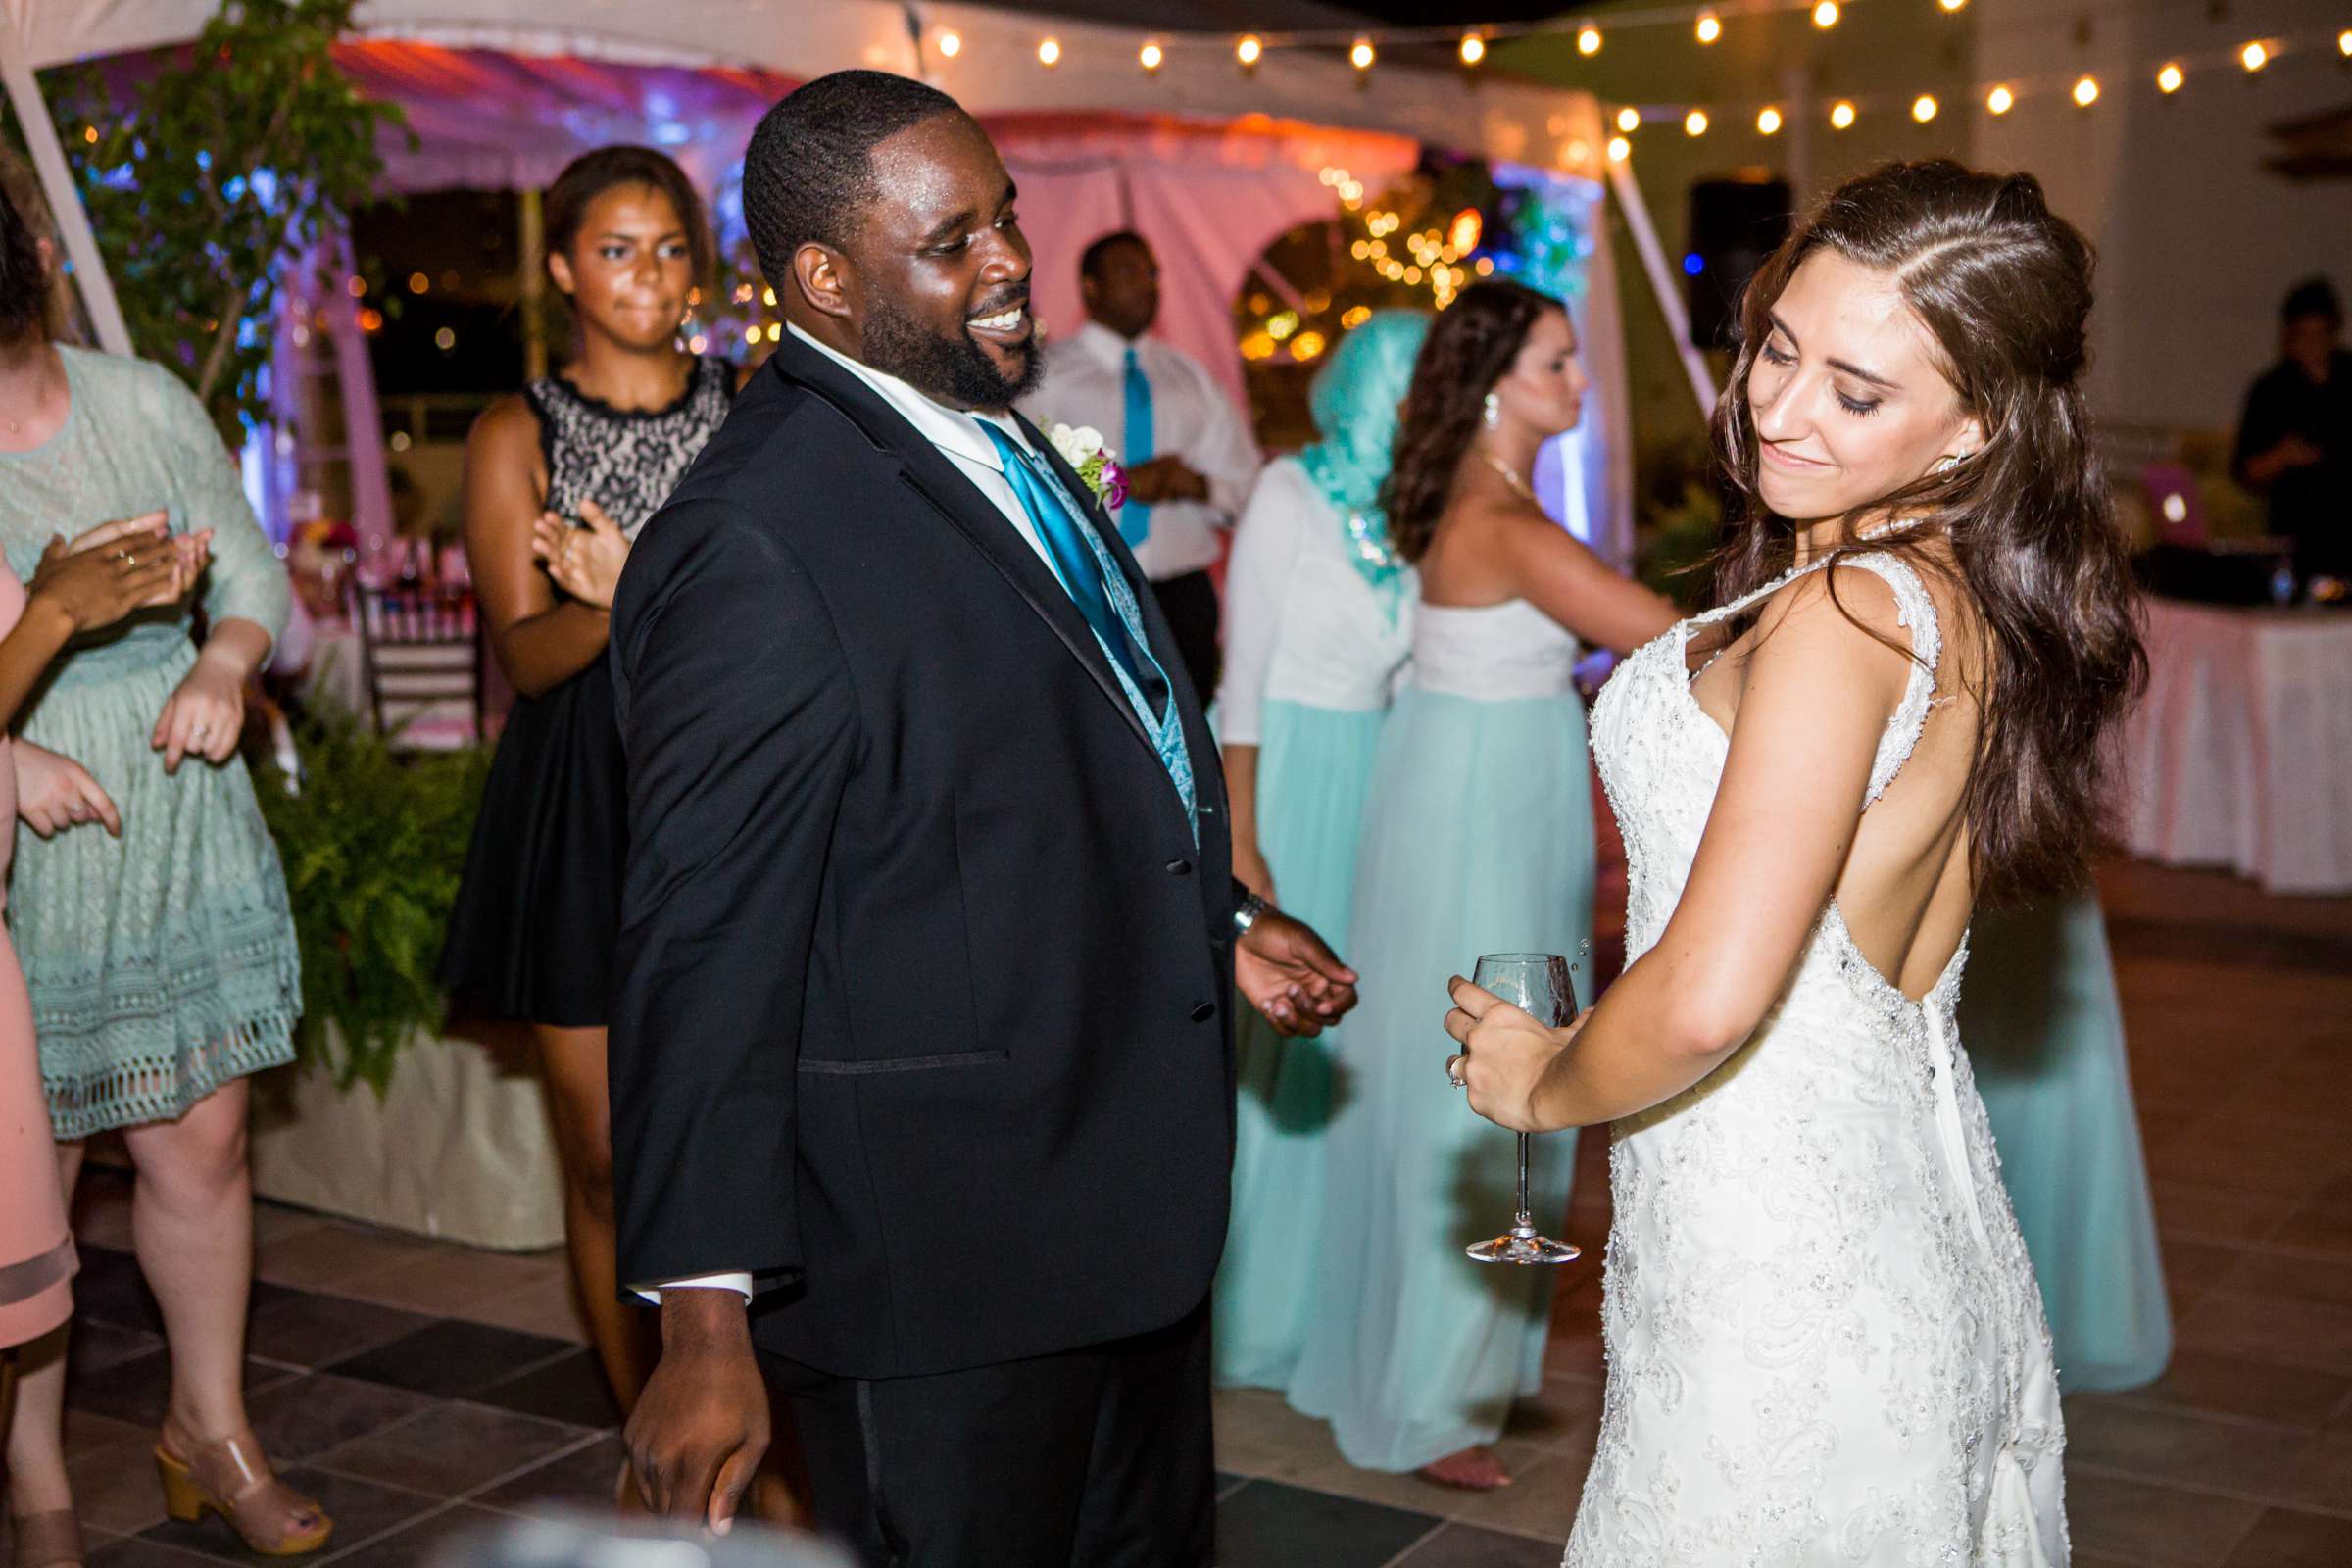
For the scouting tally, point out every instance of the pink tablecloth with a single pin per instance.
(2241, 755)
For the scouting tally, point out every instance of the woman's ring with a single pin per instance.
(1453, 1070)
(200, 734)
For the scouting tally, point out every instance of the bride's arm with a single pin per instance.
(1817, 697)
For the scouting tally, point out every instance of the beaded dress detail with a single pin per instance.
(1825, 1344)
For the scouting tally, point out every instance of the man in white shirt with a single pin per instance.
(1187, 450)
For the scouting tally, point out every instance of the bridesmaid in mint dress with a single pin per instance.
(1477, 838)
(2046, 1030)
(1317, 621)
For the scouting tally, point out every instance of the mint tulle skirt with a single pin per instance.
(1477, 838)
(1315, 772)
(2044, 1031)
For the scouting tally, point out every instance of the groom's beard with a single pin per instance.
(956, 371)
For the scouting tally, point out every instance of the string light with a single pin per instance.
(1628, 120)
(1474, 48)
(2086, 92)
(1923, 107)
(1769, 121)
(2000, 100)
(2343, 43)
(1588, 41)
(1951, 5)
(2254, 56)
(1361, 57)
(1843, 115)
(1825, 15)
(2170, 79)
(1710, 27)
(1151, 55)
(1048, 52)
(1694, 124)
(951, 44)
(1247, 50)
(1619, 149)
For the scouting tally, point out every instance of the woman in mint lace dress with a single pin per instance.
(162, 965)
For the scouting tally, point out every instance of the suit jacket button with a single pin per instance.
(1180, 867)
(1203, 1013)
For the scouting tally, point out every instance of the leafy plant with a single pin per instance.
(1676, 541)
(209, 179)
(373, 841)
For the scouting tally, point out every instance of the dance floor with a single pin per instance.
(421, 1387)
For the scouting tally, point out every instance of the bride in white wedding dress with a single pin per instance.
(1825, 1342)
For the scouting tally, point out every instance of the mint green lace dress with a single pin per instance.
(161, 964)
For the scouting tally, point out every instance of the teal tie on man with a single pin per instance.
(1185, 443)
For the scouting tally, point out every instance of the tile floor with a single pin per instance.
(420, 1388)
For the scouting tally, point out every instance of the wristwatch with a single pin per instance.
(1246, 913)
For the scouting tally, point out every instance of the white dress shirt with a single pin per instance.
(1302, 624)
(1192, 418)
(956, 434)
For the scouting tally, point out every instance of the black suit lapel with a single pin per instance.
(935, 478)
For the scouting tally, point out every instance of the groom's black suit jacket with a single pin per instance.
(923, 1004)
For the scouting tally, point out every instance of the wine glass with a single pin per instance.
(1543, 985)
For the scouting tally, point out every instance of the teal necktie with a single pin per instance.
(1135, 518)
(1074, 563)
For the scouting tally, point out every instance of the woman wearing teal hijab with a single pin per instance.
(1317, 624)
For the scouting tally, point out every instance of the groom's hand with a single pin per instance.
(1287, 973)
(701, 1426)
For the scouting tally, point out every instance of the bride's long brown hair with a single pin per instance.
(2023, 527)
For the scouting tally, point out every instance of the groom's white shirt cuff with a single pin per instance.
(700, 1282)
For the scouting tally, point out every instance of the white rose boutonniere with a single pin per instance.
(1081, 447)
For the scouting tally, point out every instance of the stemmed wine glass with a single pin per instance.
(1542, 984)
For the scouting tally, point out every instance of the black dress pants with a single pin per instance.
(1190, 603)
(1091, 1458)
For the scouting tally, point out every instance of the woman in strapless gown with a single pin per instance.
(1825, 1342)
(1478, 838)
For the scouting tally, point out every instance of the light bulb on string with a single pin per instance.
(1247, 50)
(1842, 114)
(1048, 52)
(1694, 124)
(1361, 55)
(2343, 43)
(1768, 122)
(1825, 15)
(951, 44)
(2170, 79)
(1951, 5)
(1150, 56)
(1628, 120)
(2000, 101)
(2254, 56)
(1710, 27)
(1474, 48)
(1619, 149)
(1588, 41)
(2086, 92)
(1923, 107)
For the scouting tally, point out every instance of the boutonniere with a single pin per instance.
(1081, 447)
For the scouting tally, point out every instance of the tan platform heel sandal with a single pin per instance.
(232, 1477)
(45, 1540)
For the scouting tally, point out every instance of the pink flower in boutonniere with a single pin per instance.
(1081, 447)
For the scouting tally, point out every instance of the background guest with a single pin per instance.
(162, 965)
(1318, 621)
(1187, 449)
(1477, 838)
(559, 478)
(2294, 439)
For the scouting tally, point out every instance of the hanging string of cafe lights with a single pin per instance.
(1708, 24)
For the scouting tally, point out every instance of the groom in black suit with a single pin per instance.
(922, 1043)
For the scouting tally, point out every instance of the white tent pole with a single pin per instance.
(1661, 282)
(65, 200)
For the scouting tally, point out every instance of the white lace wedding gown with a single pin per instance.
(1824, 1341)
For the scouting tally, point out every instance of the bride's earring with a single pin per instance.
(1492, 410)
(1947, 464)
